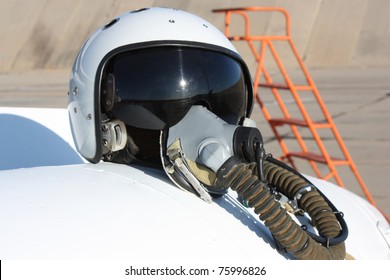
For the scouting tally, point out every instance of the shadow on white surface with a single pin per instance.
(25, 143)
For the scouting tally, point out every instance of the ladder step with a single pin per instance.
(284, 86)
(256, 38)
(318, 158)
(298, 122)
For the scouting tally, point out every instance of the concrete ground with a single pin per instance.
(358, 100)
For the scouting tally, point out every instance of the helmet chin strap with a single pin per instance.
(194, 149)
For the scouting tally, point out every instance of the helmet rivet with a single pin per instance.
(172, 21)
(104, 127)
(89, 117)
(75, 91)
(105, 142)
(75, 109)
(205, 25)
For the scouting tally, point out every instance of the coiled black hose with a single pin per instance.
(239, 177)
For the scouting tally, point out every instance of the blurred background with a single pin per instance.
(344, 44)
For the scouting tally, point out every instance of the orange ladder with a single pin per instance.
(263, 80)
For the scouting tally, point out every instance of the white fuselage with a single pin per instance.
(53, 205)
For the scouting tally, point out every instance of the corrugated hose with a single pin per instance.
(289, 235)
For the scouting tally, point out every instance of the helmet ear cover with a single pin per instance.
(142, 147)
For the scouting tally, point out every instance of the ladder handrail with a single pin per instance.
(242, 11)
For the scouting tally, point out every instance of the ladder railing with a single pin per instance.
(263, 79)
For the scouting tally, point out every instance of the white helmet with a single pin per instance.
(141, 73)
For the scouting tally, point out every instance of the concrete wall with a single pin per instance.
(46, 34)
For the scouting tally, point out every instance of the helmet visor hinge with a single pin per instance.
(108, 93)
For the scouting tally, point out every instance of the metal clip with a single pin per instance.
(296, 210)
(302, 191)
(290, 205)
(177, 158)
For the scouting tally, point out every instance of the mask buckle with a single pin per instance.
(178, 161)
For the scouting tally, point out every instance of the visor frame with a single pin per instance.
(171, 43)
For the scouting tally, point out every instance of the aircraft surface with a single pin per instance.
(55, 205)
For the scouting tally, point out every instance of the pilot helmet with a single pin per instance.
(140, 74)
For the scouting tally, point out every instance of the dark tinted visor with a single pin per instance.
(154, 88)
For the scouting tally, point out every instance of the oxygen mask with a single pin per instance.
(195, 149)
(205, 155)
